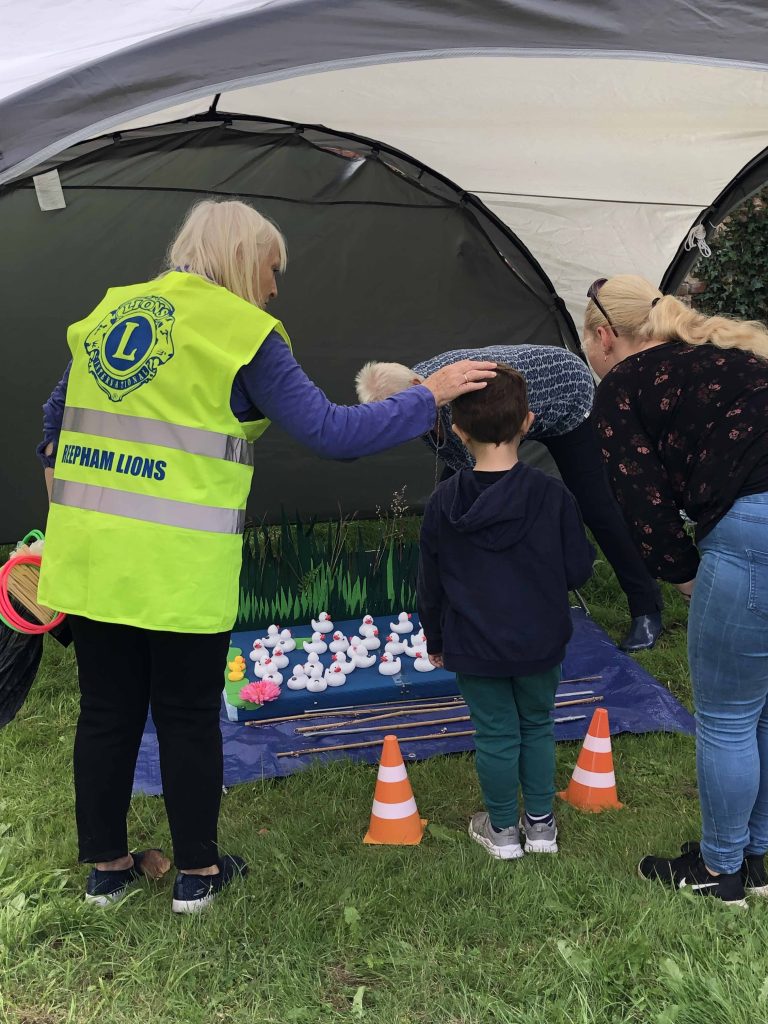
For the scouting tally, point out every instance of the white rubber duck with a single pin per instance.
(317, 645)
(298, 680)
(418, 639)
(414, 650)
(280, 659)
(335, 676)
(258, 669)
(422, 662)
(362, 658)
(403, 624)
(372, 642)
(313, 658)
(367, 626)
(265, 668)
(316, 685)
(272, 638)
(259, 652)
(273, 677)
(322, 624)
(339, 643)
(315, 671)
(394, 646)
(389, 665)
(355, 641)
(346, 664)
(287, 642)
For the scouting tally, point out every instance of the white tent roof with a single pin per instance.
(597, 132)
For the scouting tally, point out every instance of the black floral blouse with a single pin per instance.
(683, 428)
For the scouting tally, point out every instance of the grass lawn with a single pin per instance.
(326, 929)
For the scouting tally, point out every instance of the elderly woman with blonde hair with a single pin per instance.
(560, 393)
(682, 414)
(148, 448)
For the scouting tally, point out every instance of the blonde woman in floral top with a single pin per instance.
(682, 415)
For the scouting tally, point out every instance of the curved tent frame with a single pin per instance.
(176, 55)
(390, 260)
(518, 259)
(750, 179)
(598, 162)
(594, 133)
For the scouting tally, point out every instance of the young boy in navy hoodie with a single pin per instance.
(501, 546)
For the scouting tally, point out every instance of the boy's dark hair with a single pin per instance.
(495, 414)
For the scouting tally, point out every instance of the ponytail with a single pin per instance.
(639, 310)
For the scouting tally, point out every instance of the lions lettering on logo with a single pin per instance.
(130, 343)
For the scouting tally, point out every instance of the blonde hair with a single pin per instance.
(227, 242)
(376, 381)
(640, 311)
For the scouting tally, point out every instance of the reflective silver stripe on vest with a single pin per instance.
(119, 427)
(148, 509)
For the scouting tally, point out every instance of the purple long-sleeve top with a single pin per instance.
(273, 385)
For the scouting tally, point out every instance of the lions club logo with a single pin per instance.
(129, 345)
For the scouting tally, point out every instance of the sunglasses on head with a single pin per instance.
(592, 291)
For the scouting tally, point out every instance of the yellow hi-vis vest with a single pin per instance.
(153, 469)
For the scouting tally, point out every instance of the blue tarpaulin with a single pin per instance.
(635, 702)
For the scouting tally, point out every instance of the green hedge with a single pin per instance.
(736, 274)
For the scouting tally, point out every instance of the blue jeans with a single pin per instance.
(728, 654)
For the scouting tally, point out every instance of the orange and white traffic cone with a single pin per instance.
(395, 820)
(593, 786)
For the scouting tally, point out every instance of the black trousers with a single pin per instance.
(578, 460)
(124, 671)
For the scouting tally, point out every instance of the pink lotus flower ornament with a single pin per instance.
(260, 693)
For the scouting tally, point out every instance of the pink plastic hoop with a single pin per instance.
(8, 613)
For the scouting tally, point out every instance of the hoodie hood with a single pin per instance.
(496, 516)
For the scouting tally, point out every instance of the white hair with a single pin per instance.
(227, 242)
(377, 381)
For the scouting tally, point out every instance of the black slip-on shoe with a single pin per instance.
(105, 887)
(644, 631)
(193, 893)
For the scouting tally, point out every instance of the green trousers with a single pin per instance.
(514, 740)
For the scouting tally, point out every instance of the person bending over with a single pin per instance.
(560, 391)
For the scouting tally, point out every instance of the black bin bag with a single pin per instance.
(20, 655)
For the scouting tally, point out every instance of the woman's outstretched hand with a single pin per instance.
(459, 379)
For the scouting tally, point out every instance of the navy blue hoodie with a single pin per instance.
(499, 553)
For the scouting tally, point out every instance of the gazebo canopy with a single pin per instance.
(524, 148)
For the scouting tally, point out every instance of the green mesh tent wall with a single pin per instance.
(388, 260)
(597, 133)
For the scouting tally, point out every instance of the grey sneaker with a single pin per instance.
(539, 837)
(504, 845)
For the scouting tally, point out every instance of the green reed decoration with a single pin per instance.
(294, 571)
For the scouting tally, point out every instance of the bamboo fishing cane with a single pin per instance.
(307, 715)
(371, 743)
(413, 739)
(310, 733)
(353, 709)
(424, 709)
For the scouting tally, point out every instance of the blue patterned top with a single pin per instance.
(560, 391)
